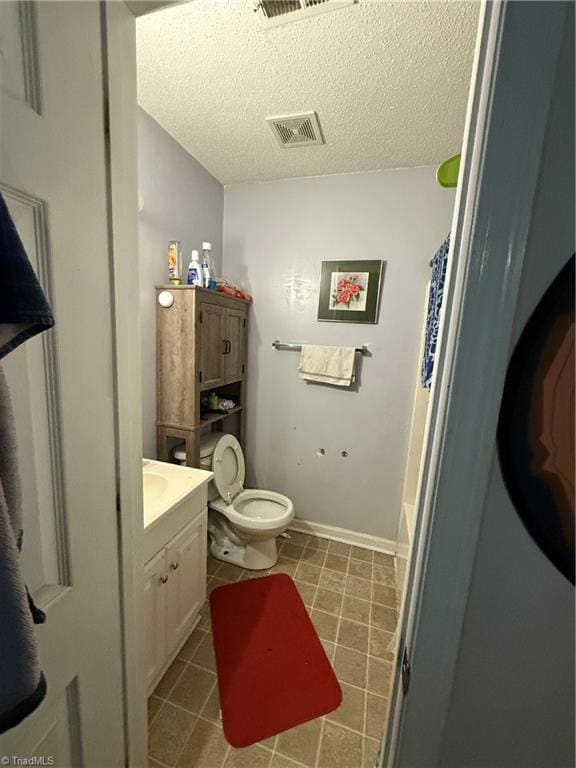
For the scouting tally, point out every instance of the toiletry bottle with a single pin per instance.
(206, 264)
(174, 262)
(194, 270)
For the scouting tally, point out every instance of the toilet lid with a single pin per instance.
(228, 467)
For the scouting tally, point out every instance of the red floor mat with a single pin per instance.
(273, 673)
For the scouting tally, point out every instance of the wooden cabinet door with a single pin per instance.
(212, 327)
(234, 347)
(155, 588)
(186, 560)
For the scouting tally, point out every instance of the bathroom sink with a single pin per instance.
(154, 485)
(166, 485)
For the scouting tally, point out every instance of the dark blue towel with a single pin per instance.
(24, 311)
(435, 298)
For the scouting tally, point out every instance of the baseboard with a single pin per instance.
(364, 540)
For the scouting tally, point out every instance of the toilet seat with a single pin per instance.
(229, 467)
(256, 510)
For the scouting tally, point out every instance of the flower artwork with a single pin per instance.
(348, 291)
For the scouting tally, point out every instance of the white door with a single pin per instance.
(155, 581)
(53, 176)
(186, 573)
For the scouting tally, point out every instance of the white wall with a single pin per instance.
(179, 200)
(275, 236)
(513, 696)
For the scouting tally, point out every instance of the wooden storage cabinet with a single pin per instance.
(200, 346)
(174, 591)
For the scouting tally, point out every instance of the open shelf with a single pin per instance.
(213, 417)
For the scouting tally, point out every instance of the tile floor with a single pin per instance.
(349, 593)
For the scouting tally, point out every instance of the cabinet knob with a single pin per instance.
(163, 579)
(165, 299)
(174, 566)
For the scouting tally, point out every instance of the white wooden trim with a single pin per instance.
(119, 44)
(513, 78)
(364, 540)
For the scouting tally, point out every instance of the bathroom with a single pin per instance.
(389, 111)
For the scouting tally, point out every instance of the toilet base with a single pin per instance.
(254, 556)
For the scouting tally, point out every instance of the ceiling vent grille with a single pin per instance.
(272, 13)
(299, 130)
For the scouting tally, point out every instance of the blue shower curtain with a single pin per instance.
(435, 297)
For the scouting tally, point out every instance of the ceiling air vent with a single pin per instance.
(272, 13)
(300, 130)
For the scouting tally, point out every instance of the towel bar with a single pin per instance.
(363, 350)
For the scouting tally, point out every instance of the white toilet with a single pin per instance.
(242, 524)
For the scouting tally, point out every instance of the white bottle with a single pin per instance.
(206, 264)
(194, 270)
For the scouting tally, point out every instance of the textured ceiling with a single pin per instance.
(389, 81)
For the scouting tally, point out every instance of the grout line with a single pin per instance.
(320, 739)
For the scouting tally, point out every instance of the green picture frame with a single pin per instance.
(350, 291)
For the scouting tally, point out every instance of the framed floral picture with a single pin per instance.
(350, 291)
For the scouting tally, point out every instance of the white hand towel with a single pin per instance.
(328, 365)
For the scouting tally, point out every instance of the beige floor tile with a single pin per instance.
(381, 558)
(211, 710)
(371, 747)
(353, 635)
(279, 761)
(376, 714)
(302, 539)
(336, 563)
(192, 689)
(379, 676)
(190, 646)
(213, 565)
(168, 733)
(326, 624)
(308, 573)
(338, 548)
(229, 572)
(332, 580)
(356, 610)
(328, 601)
(350, 666)
(360, 568)
(301, 743)
(314, 556)
(153, 763)
(169, 680)
(285, 565)
(248, 757)
(351, 711)
(248, 575)
(357, 587)
(383, 617)
(293, 551)
(307, 592)
(315, 542)
(154, 704)
(340, 748)
(204, 655)
(329, 648)
(269, 743)
(383, 594)
(380, 644)
(205, 748)
(205, 622)
(384, 575)
(359, 553)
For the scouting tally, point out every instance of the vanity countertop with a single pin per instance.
(166, 485)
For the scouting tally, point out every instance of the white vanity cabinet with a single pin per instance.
(175, 590)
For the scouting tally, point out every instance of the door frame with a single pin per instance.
(512, 84)
(493, 207)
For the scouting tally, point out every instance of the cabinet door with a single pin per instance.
(234, 349)
(212, 327)
(155, 588)
(186, 587)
